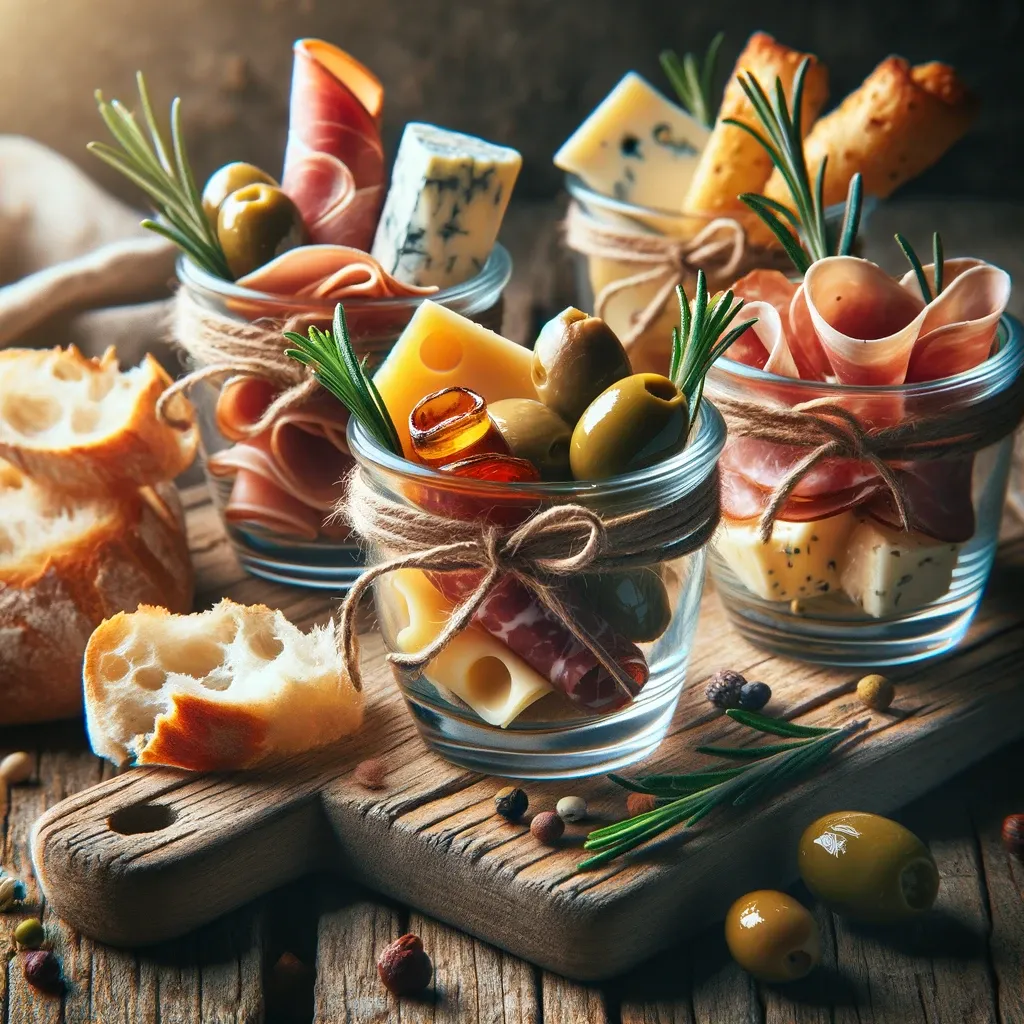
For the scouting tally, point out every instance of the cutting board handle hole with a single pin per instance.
(138, 818)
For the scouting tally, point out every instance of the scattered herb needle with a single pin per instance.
(334, 364)
(164, 175)
(694, 85)
(928, 291)
(692, 797)
(782, 140)
(699, 340)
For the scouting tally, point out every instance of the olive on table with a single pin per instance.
(255, 224)
(772, 936)
(574, 359)
(226, 180)
(634, 602)
(867, 867)
(638, 421)
(536, 433)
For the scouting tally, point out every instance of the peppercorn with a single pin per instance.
(404, 967)
(876, 692)
(30, 934)
(640, 803)
(1013, 835)
(17, 768)
(42, 970)
(370, 774)
(723, 690)
(754, 696)
(11, 891)
(511, 802)
(571, 808)
(547, 827)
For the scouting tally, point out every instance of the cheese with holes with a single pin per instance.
(445, 205)
(889, 572)
(799, 560)
(636, 146)
(441, 349)
(480, 670)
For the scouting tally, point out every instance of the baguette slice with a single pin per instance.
(85, 425)
(214, 691)
(65, 565)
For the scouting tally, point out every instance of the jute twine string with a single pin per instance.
(720, 246)
(829, 430)
(554, 543)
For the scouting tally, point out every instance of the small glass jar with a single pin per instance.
(551, 738)
(314, 553)
(848, 586)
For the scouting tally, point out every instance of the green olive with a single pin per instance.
(633, 602)
(575, 358)
(867, 867)
(534, 432)
(636, 422)
(772, 936)
(228, 179)
(255, 224)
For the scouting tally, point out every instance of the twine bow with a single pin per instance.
(554, 543)
(720, 244)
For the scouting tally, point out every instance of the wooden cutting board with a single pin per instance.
(153, 853)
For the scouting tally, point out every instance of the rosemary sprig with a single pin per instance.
(808, 241)
(918, 268)
(334, 364)
(693, 84)
(164, 175)
(701, 338)
(692, 797)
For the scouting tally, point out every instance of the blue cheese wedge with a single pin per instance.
(636, 146)
(445, 205)
(890, 572)
(799, 560)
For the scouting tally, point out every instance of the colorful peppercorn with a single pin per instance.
(547, 827)
(370, 774)
(17, 768)
(30, 934)
(571, 808)
(876, 692)
(11, 891)
(1013, 835)
(511, 803)
(42, 970)
(404, 967)
(754, 696)
(640, 803)
(723, 689)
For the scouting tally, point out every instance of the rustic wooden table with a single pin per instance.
(962, 963)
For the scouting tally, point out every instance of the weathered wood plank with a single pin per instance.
(566, 1002)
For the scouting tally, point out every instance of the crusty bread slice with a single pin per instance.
(65, 565)
(214, 691)
(85, 425)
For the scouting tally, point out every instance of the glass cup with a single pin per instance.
(312, 553)
(551, 738)
(850, 587)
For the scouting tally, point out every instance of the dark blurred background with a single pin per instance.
(522, 72)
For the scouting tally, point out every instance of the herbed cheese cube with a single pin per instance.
(889, 572)
(445, 205)
(798, 560)
(636, 146)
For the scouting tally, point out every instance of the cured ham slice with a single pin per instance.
(334, 167)
(938, 499)
(258, 501)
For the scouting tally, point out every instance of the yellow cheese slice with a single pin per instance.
(494, 681)
(441, 349)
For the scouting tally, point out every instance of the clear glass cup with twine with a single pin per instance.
(876, 540)
(274, 452)
(452, 559)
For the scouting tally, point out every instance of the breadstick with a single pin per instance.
(733, 161)
(899, 122)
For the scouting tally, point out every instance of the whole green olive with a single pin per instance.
(636, 422)
(255, 224)
(226, 180)
(634, 602)
(534, 432)
(575, 358)
(867, 867)
(772, 936)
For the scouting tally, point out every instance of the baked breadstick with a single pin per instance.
(733, 161)
(899, 122)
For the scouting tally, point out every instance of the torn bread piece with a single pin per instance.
(87, 426)
(216, 690)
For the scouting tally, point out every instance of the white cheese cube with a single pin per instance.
(798, 560)
(889, 572)
(445, 205)
(636, 146)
